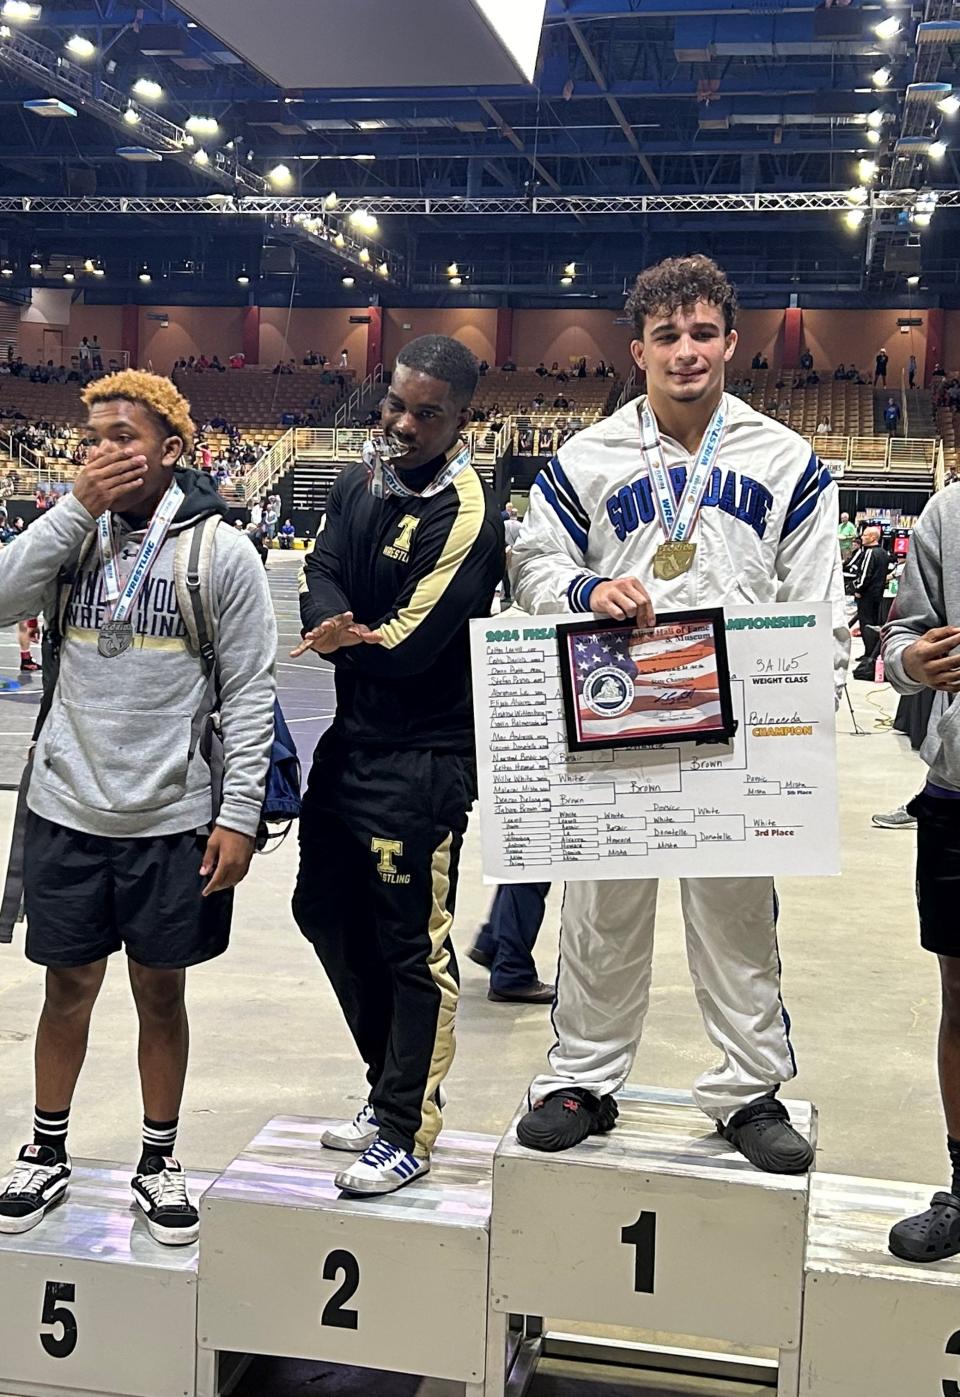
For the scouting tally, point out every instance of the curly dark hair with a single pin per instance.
(681, 281)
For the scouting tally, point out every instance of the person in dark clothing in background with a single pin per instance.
(410, 549)
(505, 943)
(869, 584)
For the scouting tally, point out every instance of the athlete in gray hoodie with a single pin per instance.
(921, 650)
(122, 846)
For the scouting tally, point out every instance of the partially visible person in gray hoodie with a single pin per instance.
(921, 649)
(123, 848)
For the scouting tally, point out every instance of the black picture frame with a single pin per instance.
(569, 633)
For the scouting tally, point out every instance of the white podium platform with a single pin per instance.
(292, 1268)
(875, 1326)
(659, 1226)
(90, 1304)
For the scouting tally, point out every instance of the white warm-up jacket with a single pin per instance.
(767, 531)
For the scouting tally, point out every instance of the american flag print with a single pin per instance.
(644, 683)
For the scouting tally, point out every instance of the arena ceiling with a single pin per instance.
(651, 126)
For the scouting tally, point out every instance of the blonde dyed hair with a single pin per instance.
(158, 395)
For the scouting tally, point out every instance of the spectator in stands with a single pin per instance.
(237, 361)
(759, 361)
(541, 370)
(891, 416)
(287, 535)
(271, 518)
(96, 355)
(560, 401)
(806, 361)
(840, 372)
(938, 373)
(344, 359)
(912, 371)
(84, 353)
(563, 377)
(601, 370)
(581, 367)
(554, 368)
(880, 368)
(812, 379)
(216, 364)
(311, 359)
(202, 364)
(508, 367)
(538, 402)
(823, 426)
(280, 367)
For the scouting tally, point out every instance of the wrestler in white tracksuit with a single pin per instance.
(767, 532)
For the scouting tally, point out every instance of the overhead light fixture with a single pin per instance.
(881, 77)
(36, 263)
(566, 281)
(456, 281)
(5, 31)
(80, 47)
(144, 273)
(873, 138)
(866, 170)
(98, 268)
(280, 175)
(365, 221)
(364, 255)
(88, 264)
(202, 125)
(854, 217)
(243, 277)
(20, 10)
(570, 270)
(856, 195)
(189, 140)
(453, 269)
(364, 157)
(131, 116)
(339, 241)
(937, 150)
(200, 157)
(875, 119)
(913, 281)
(331, 201)
(6, 269)
(383, 269)
(950, 105)
(69, 274)
(922, 220)
(347, 281)
(148, 89)
(887, 28)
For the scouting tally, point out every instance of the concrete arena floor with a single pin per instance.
(268, 1037)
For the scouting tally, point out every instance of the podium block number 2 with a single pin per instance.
(341, 1263)
(642, 1236)
(56, 1296)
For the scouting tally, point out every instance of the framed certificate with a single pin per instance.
(626, 686)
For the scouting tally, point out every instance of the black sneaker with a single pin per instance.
(161, 1191)
(763, 1134)
(36, 1183)
(565, 1118)
(930, 1236)
(29, 667)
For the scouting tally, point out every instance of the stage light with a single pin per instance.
(243, 277)
(875, 119)
(937, 150)
(913, 281)
(856, 195)
(6, 269)
(887, 28)
(36, 263)
(98, 268)
(866, 170)
(456, 281)
(570, 269)
(331, 201)
(144, 273)
(69, 274)
(453, 269)
(147, 88)
(339, 241)
(950, 105)
(347, 281)
(854, 217)
(200, 157)
(881, 77)
(383, 269)
(364, 255)
(922, 220)
(365, 221)
(80, 47)
(131, 116)
(566, 281)
(20, 10)
(280, 175)
(202, 125)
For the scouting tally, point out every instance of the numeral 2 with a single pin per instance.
(642, 1235)
(62, 1345)
(333, 1312)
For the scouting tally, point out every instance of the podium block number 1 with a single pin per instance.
(642, 1236)
(341, 1263)
(56, 1296)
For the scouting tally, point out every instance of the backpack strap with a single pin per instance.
(192, 573)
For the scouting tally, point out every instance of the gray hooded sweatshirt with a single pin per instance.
(929, 596)
(118, 753)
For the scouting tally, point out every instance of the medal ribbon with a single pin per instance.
(122, 598)
(384, 479)
(678, 519)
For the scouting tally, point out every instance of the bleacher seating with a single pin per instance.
(847, 406)
(590, 398)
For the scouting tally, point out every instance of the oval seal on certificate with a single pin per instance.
(608, 691)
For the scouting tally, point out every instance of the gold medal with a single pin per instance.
(672, 559)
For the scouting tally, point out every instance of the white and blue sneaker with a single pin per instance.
(381, 1168)
(353, 1135)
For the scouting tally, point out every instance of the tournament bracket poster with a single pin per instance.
(758, 803)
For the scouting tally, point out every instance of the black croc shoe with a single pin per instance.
(763, 1134)
(930, 1236)
(565, 1118)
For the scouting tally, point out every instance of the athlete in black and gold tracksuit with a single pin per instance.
(393, 779)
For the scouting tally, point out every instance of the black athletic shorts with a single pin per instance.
(87, 896)
(938, 872)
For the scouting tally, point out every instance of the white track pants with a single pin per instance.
(603, 987)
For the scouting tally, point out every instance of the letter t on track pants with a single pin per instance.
(603, 987)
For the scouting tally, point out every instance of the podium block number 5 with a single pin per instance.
(59, 1345)
(642, 1236)
(346, 1264)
